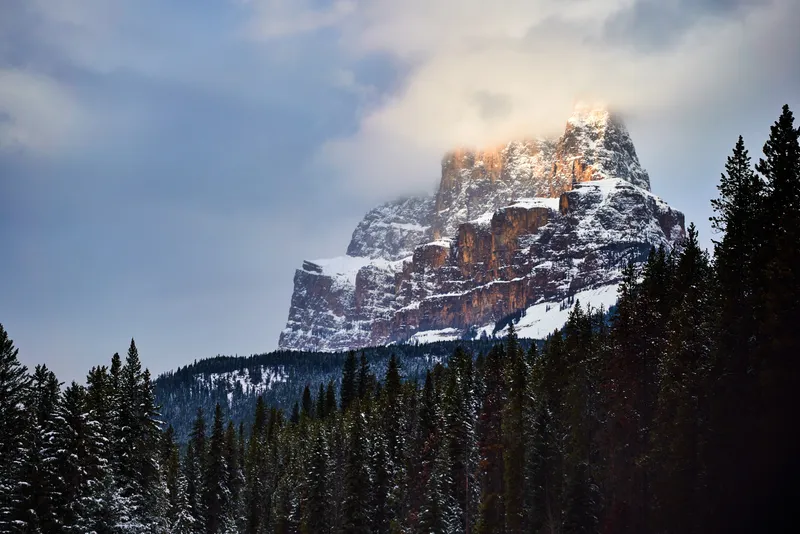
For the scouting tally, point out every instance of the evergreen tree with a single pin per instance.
(317, 518)
(38, 490)
(330, 399)
(355, 515)
(255, 470)
(491, 516)
(170, 462)
(349, 389)
(215, 495)
(366, 380)
(319, 410)
(307, 410)
(775, 365)
(234, 477)
(295, 417)
(514, 435)
(439, 513)
(100, 499)
(183, 522)
(14, 394)
(195, 464)
(679, 414)
(72, 459)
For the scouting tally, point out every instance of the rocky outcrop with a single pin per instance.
(510, 229)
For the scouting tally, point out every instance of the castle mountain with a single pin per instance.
(521, 231)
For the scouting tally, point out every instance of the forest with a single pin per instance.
(677, 415)
(236, 382)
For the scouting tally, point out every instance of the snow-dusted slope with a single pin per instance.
(523, 227)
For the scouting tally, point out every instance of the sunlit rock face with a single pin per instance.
(522, 228)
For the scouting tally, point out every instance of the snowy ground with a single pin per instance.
(538, 322)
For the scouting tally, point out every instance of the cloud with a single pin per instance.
(652, 24)
(36, 112)
(282, 18)
(479, 73)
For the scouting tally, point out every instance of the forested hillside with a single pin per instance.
(678, 415)
(235, 383)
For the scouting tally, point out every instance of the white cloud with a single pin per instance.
(481, 73)
(36, 112)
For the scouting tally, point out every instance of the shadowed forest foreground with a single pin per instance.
(676, 416)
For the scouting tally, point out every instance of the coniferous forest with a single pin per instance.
(677, 415)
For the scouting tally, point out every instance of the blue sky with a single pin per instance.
(165, 165)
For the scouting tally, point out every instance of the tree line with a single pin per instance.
(677, 415)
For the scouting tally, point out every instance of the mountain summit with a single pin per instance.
(519, 231)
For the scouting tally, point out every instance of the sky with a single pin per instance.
(166, 165)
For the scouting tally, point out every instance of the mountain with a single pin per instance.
(523, 230)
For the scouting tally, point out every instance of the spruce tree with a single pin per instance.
(355, 515)
(307, 404)
(349, 389)
(330, 399)
(14, 394)
(38, 491)
(317, 517)
(100, 503)
(255, 470)
(439, 514)
(195, 464)
(776, 366)
(491, 514)
(215, 495)
(319, 409)
(513, 428)
(170, 462)
(366, 380)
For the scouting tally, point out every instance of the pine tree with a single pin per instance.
(234, 479)
(775, 365)
(380, 507)
(392, 424)
(295, 417)
(183, 522)
(71, 454)
(428, 422)
(14, 394)
(355, 515)
(317, 517)
(215, 496)
(366, 380)
(330, 399)
(195, 462)
(100, 504)
(491, 516)
(459, 413)
(319, 409)
(170, 462)
(349, 389)
(307, 409)
(439, 514)
(676, 434)
(739, 213)
(513, 435)
(38, 490)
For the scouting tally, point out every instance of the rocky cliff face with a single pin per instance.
(525, 229)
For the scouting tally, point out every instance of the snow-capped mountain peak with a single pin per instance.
(517, 229)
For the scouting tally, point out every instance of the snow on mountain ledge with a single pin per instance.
(526, 226)
(537, 321)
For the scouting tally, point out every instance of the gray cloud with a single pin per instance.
(655, 24)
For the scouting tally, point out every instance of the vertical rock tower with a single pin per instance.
(522, 230)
